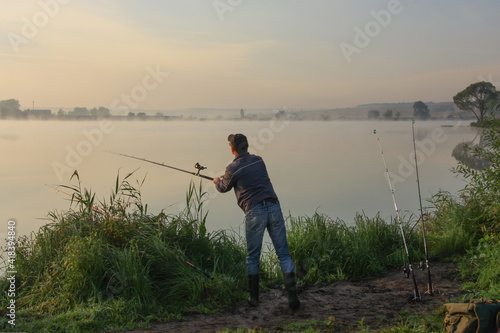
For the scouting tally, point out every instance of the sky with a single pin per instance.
(294, 54)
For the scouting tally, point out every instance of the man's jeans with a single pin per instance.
(257, 220)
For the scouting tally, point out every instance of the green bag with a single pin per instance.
(473, 316)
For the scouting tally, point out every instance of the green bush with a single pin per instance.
(469, 225)
(480, 267)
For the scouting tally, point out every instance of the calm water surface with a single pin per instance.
(334, 168)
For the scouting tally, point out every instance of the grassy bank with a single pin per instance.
(111, 265)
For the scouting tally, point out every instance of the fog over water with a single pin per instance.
(334, 168)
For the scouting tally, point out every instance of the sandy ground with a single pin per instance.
(379, 301)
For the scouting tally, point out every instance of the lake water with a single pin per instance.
(334, 168)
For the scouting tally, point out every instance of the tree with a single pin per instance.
(397, 115)
(421, 110)
(477, 98)
(388, 114)
(280, 114)
(79, 112)
(101, 112)
(10, 108)
(373, 114)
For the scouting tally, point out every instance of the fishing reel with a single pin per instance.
(199, 167)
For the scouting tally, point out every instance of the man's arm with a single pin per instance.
(224, 183)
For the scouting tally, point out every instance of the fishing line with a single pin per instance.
(416, 295)
(197, 165)
(430, 290)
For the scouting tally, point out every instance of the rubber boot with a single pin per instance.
(291, 288)
(253, 287)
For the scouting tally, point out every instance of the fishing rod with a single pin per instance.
(100, 211)
(430, 290)
(416, 294)
(197, 165)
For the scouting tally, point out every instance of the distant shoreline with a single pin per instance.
(10, 110)
(187, 119)
(94, 118)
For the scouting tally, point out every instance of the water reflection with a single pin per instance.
(467, 153)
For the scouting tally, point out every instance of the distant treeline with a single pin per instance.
(480, 99)
(10, 109)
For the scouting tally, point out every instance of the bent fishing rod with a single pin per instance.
(430, 290)
(100, 211)
(416, 294)
(197, 165)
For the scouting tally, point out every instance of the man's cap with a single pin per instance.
(238, 142)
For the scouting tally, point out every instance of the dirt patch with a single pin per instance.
(379, 301)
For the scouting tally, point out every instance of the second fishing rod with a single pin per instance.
(416, 294)
(427, 266)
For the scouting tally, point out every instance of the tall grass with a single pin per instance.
(114, 255)
(326, 250)
(454, 228)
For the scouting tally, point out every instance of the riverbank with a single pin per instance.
(342, 306)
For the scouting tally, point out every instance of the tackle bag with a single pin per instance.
(473, 316)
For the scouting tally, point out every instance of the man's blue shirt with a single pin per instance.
(247, 174)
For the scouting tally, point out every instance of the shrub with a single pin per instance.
(470, 223)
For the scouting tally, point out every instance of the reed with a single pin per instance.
(326, 250)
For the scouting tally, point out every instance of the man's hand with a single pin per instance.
(216, 180)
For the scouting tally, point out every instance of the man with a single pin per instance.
(247, 175)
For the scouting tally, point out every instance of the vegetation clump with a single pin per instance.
(114, 266)
(467, 226)
(327, 250)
